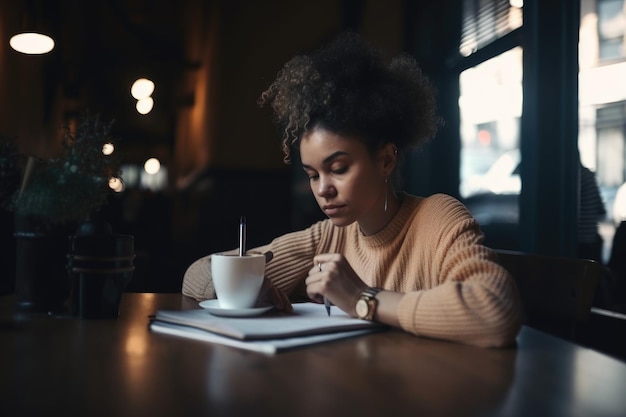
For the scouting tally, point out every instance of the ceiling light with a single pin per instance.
(152, 166)
(32, 43)
(108, 148)
(144, 106)
(142, 88)
(116, 184)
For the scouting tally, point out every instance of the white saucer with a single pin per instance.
(213, 306)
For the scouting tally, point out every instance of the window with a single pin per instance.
(611, 172)
(490, 107)
(490, 102)
(611, 28)
(602, 105)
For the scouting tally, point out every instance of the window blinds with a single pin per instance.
(485, 21)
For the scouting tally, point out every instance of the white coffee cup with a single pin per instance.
(237, 279)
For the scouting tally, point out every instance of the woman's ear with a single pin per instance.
(389, 157)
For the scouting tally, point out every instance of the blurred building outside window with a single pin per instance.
(602, 105)
(490, 106)
(491, 101)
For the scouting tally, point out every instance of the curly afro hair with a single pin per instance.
(348, 89)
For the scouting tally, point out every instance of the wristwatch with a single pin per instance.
(366, 306)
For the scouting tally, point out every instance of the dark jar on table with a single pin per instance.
(42, 284)
(100, 264)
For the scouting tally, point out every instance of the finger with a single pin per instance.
(314, 279)
(317, 268)
(318, 263)
(285, 302)
(280, 301)
(326, 258)
(271, 294)
(326, 263)
(315, 297)
(314, 286)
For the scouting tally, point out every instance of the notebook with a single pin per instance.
(270, 333)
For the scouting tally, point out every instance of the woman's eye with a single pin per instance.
(341, 170)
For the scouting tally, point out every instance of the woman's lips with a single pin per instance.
(332, 210)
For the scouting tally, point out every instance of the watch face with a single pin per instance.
(362, 308)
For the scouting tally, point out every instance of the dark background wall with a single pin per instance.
(210, 61)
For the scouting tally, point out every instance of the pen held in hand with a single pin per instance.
(326, 302)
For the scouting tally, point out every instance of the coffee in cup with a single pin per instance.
(237, 279)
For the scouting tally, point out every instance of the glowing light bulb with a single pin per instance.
(32, 43)
(116, 184)
(142, 88)
(152, 166)
(108, 148)
(144, 105)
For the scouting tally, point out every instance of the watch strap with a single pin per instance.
(371, 292)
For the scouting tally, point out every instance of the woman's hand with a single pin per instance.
(332, 277)
(270, 295)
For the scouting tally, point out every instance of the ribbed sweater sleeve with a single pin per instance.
(292, 259)
(454, 287)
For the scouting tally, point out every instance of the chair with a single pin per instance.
(605, 332)
(556, 292)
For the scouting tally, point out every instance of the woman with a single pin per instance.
(410, 262)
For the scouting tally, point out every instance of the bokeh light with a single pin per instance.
(108, 148)
(144, 105)
(152, 166)
(142, 88)
(32, 43)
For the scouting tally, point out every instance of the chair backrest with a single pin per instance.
(556, 292)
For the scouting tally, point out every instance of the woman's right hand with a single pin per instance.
(270, 295)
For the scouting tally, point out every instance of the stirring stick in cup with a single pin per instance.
(242, 235)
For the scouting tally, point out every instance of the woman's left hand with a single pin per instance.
(332, 277)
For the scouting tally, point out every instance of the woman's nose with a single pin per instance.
(325, 187)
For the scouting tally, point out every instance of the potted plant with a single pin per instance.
(53, 198)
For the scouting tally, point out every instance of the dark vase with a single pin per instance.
(101, 265)
(42, 283)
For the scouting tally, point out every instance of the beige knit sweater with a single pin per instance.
(431, 251)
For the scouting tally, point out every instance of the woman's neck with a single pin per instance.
(387, 212)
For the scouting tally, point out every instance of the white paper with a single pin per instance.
(306, 319)
(268, 346)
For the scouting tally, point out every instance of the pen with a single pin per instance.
(242, 235)
(326, 302)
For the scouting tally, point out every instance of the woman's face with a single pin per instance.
(347, 182)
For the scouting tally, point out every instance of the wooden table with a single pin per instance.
(72, 367)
